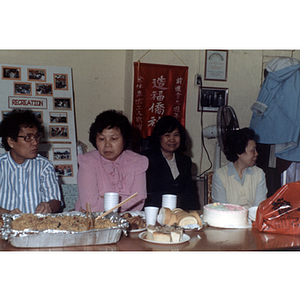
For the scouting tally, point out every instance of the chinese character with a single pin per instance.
(140, 79)
(177, 88)
(160, 108)
(159, 83)
(177, 108)
(152, 122)
(153, 95)
(151, 108)
(139, 86)
(139, 126)
(178, 80)
(139, 93)
(160, 96)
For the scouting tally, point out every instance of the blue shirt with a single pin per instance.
(279, 120)
(26, 185)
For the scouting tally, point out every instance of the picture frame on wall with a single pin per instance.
(62, 103)
(58, 117)
(44, 89)
(64, 170)
(216, 64)
(36, 75)
(22, 88)
(11, 73)
(62, 153)
(60, 81)
(59, 132)
(211, 98)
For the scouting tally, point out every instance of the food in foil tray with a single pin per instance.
(62, 229)
(62, 222)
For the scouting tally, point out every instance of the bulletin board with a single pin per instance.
(48, 91)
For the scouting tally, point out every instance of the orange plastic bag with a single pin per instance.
(280, 213)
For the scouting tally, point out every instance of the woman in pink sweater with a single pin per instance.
(111, 168)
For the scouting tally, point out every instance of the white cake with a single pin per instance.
(225, 215)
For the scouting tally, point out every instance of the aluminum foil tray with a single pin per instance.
(61, 238)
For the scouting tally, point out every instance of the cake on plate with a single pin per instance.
(225, 215)
(164, 234)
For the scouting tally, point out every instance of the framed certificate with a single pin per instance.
(216, 65)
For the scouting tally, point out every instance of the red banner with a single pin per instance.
(159, 90)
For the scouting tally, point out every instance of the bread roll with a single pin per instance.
(176, 210)
(180, 216)
(186, 220)
(173, 219)
(196, 215)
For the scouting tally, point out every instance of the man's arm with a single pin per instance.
(51, 206)
(13, 211)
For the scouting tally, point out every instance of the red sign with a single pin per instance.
(159, 90)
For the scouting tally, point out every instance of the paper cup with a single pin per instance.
(151, 215)
(110, 201)
(169, 201)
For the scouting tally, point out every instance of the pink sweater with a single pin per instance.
(97, 175)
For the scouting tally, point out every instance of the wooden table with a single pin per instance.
(207, 239)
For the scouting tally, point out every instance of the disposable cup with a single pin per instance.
(110, 201)
(151, 215)
(169, 201)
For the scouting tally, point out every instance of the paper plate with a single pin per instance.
(185, 238)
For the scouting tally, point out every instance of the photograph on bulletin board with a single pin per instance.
(36, 75)
(11, 73)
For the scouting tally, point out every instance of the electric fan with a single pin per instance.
(226, 121)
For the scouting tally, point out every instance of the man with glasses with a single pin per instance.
(28, 182)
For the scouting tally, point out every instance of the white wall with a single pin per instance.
(103, 79)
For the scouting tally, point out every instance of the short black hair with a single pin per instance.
(236, 142)
(167, 124)
(111, 119)
(13, 122)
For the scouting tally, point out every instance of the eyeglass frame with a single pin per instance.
(31, 136)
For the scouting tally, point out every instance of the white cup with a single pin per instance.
(110, 201)
(151, 215)
(169, 201)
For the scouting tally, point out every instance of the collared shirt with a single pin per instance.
(173, 166)
(26, 185)
(242, 193)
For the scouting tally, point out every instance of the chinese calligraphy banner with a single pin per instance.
(159, 90)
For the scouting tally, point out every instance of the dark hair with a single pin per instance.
(111, 119)
(13, 122)
(236, 142)
(164, 125)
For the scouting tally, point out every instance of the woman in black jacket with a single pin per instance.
(169, 170)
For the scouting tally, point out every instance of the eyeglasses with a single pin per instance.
(30, 136)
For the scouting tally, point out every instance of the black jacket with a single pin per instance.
(160, 180)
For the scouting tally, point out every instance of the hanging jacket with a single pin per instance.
(276, 113)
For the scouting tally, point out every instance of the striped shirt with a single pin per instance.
(26, 185)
